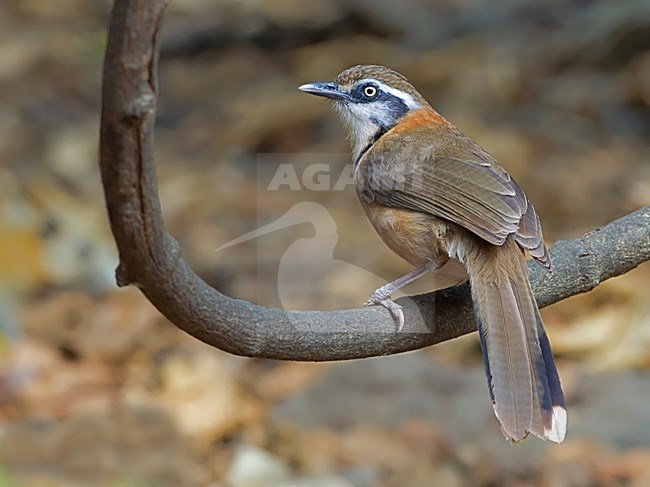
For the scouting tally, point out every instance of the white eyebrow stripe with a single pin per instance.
(405, 97)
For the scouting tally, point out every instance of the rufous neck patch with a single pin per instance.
(418, 118)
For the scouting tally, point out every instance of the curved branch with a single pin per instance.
(150, 258)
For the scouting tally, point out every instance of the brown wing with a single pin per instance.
(468, 188)
(529, 235)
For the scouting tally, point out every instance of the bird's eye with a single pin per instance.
(370, 91)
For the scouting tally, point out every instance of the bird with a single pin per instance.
(434, 195)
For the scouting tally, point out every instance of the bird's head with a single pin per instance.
(370, 99)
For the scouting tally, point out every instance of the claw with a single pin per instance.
(377, 299)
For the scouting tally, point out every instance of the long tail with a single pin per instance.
(524, 383)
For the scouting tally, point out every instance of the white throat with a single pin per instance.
(361, 131)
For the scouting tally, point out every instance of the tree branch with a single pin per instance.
(151, 259)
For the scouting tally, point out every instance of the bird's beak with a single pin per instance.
(326, 90)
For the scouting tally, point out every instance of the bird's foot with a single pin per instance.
(381, 297)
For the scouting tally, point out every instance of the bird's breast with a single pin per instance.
(416, 237)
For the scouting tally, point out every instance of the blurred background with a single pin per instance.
(96, 388)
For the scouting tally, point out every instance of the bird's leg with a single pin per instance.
(382, 295)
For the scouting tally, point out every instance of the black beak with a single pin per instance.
(326, 90)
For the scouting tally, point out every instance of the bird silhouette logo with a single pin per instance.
(308, 269)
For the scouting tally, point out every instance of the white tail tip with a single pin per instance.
(557, 432)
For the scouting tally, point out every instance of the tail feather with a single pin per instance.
(558, 421)
(511, 382)
(528, 314)
(524, 383)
